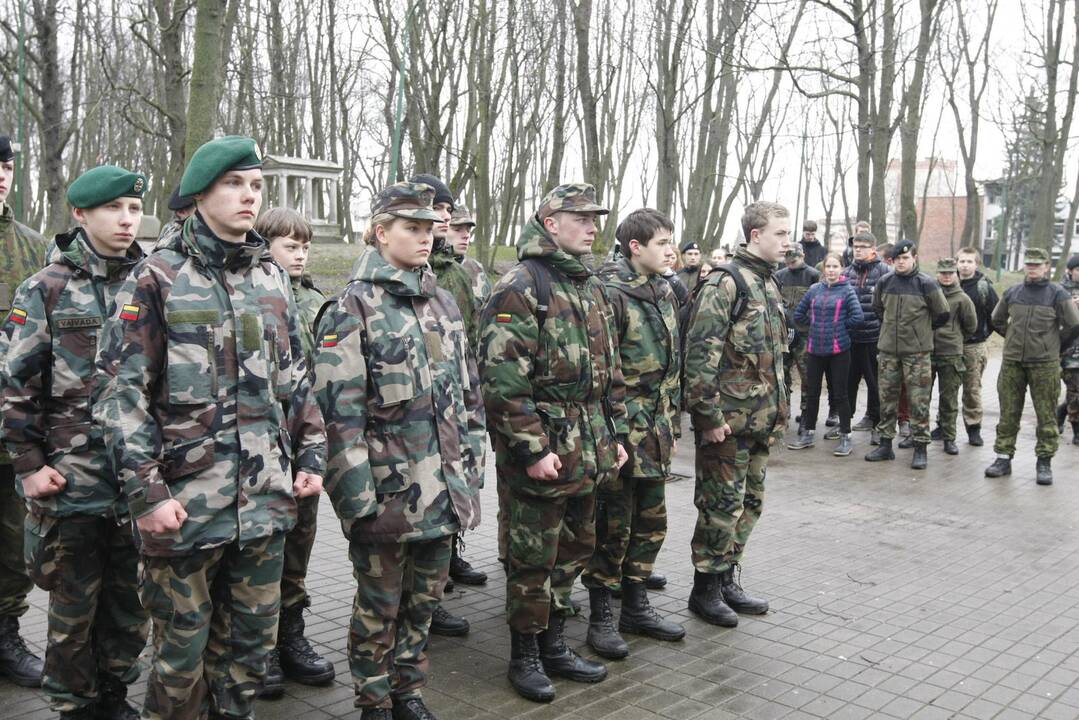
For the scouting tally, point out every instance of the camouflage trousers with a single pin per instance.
(1071, 398)
(975, 358)
(550, 540)
(631, 524)
(15, 584)
(97, 626)
(729, 495)
(949, 371)
(398, 587)
(1044, 382)
(916, 372)
(215, 622)
(299, 541)
(796, 358)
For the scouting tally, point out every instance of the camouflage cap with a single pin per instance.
(217, 157)
(947, 265)
(103, 184)
(461, 216)
(407, 200)
(571, 197)
(795, 251)
(1035, 256)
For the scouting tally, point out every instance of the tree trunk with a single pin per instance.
(912, 121)
(207, 70)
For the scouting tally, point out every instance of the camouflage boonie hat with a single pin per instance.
(947, 265)
(1035, 256)
(572, 197)
(795, 251)
(461, 216)
(407, 200)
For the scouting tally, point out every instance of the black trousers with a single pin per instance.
(837, 368)
(863, 364)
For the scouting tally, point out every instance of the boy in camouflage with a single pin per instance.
(22, 253)
(79, 546)
(210, 421)
(1069, 362)
(462, 225)
(737, 397)
(631, 513)
(406, 436)
(289, 236)
(948, 362)
(547, 387)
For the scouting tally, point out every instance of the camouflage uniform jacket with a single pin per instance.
(455, 280)
(910, 308)
(309, 300)
(481, 284)
(208, 399)
(646, 320)
(793, 286)
(1038, 320)
(1070, 361)
(404, 420)
(689, 277)
(962, 322)
(49, 378)
(549, 389)
(734, 374)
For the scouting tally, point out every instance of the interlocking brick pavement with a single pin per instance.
(895, 594)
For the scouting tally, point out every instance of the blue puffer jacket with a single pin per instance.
(831, 312)
(863, 278)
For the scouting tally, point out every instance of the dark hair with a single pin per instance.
(641, 225)
(283, 222)
(758, 214)
(809, 226)
(885, 249)
(865, 238)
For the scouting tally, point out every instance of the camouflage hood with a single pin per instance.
(620, 274)
(198, 241)
(73, 249)
(536, 242)
(373, 268)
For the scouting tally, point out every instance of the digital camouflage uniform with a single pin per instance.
(734, 375)
(1070, 363)
(910, 307)
(547, 390)
(948, 363)
(1037, 320)
(793, 285)
(23, 254)
(631, 512)
(78, 542)
(208, 402)
(405, 425)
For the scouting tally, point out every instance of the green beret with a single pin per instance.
(103, 184)
(1035, 256)
(216, 158)
(946, 265)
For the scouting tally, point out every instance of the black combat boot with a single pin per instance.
(1062, 416)
(950, 448)
(1045, 471)
(974, 435)
(112, 701)
(906, 443)
(1075, 433)
(273, 682)
(736, 597)
(86, 712)
(526, 673)
(299, 661)
(706, 600)
(461, 570)
(412, 708)
(1001, 466)
(559, 660)
(921, 457)
(655, 581)
(376, 714)
(17, 663)
(447, 625)
(640, 618)
(602, 634)
(882, 452)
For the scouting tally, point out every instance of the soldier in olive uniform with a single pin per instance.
(690, 274)
(1069, 410)
(631, 512)
(948, 362)
(794, 282)
(1038, 320)
(211, 423)
(549, 362)
(399, 390)
(462, 225)
(289, 236)
(737, 397)
(975, 354)
(23, 254)
(79, 545)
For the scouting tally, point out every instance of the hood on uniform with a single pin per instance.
(179, 202)
(571, 197)
(6, 151)
(217, 157)
(442, 191)
(103, 184)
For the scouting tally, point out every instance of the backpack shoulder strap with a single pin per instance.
(741, 298)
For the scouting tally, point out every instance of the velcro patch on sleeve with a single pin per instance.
(329, 341)
(503, 318)
(18, 316)
(129, 313)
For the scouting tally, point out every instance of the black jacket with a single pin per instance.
(984, 295)
(863, 277)
(815, 252)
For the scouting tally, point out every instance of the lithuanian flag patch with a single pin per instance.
(329, 341)
(129, 313)
(18, 316)
(503, 318)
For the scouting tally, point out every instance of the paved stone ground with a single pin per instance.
(894, 594)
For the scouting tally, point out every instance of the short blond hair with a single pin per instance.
(757, 215)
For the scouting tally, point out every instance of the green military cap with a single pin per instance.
(461, 216)
(572, 197)
(1035, 256)
(795, 251)
(216, 158)
(103, 184)
(947, 265)
(407, 200)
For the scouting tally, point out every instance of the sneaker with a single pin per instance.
(866, 423)
(832, 434)
(804, 440)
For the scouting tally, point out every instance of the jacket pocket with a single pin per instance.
(40, 534)
(189, 457)
(74, 347)
(191, 370)
(391, 371)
